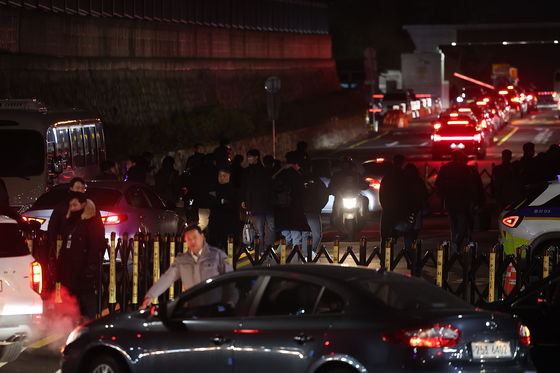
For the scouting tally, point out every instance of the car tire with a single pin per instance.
(106, 364)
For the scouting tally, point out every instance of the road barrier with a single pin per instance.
(474, 274)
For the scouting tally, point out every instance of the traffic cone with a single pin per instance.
(510, 279)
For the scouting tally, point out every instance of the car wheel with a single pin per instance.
(106, 364)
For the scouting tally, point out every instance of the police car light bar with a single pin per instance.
(24, 105)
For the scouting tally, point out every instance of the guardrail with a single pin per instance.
(474, 274)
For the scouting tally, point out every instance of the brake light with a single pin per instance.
(503, 92)
(483, 124)
(524, 334)
(375, 110)
(477, 137)
(465, 110)
(529, 97)
(510, 221)
(423, 95)
(373, 183)
(437, 126)
(377, 96)
(36, 277)
(114, 219)
(486, 99)
(29, 219)
(436, 138)
(515, 99)
(509, 87)
(457, 122)
(434, 336)
(481, 103)
(454, 115)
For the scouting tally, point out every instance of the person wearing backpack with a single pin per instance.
(256, 197)
(289, 194)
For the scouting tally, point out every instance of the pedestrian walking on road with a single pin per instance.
(167, 182)
(392, 197)
(224, 213)
(289, 192)
(256, 197)
(198, 264)
(460, 189)
(78, 264)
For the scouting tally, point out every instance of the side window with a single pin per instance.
(136, 198)
(100, 141)
(93, 144)
(223, 299)
(51, 148)
(330, 302)
(77, 141)
(155, 201)
(62, 145)
(286, 297)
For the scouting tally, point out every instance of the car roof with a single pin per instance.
(331, 272)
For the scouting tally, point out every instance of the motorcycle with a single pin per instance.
(350, 212)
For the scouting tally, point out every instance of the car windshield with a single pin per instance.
(22, 153)
(103, 198)
(12, 242)
(408, 295)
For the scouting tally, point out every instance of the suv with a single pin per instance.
(458, 130)
(20, 287)
(534, 221)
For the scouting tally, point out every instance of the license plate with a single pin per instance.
(491, 350)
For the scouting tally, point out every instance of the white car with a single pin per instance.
(535, 221)
(20, 286)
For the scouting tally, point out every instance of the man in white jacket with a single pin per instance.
(198, 264)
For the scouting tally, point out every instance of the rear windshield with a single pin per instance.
(103, 198)
(12, 242)
(22, 153)
(408, 295)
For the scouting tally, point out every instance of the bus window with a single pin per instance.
(51, 143)
(77, 141)
(89, 133)
(62, 146)
(100, 137)
(87, 147)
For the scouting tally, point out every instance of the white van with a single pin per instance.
(40, 147)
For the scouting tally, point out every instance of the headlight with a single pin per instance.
(76, 333)
(349, 203)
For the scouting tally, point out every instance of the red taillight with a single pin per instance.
(373, 183)
(454, 115)
(486, 99)
(481, 103)
(432, 336)
(437, 126)
(510, 221)
(503, 92)
(529, 97)
(377, 96)
(114, 219)
(246, 331)
(458, 122)
(465, 110)
(36, 277)
(375, 110)
(515, 99)
(524, 334)
(483, 124)
(28, 219)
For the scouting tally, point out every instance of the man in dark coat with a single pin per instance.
(83, 242)
(506, 186)
(222, 154)
(201, 182)
(316, 196)
(461, 191)
(289, 214)
(391, 194)
(224, 214)
(167, 182)
(195, 160)
(256, 197)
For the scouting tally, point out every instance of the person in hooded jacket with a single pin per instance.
(79, 259)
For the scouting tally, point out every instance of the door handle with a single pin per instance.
(220, 340)
(302, 338)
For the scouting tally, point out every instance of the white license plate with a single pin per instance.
(491, 350)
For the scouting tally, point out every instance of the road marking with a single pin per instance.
(361, 142)
(391, 144)
(506, 137)
(425, 143)
(2, 364)
(45, 341)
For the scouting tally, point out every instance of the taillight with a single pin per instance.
(114, 219)
(483, 124)
(477, 137)
(373, 183)
(36, 277)
(503, 92)
(432, 336)
(437, 126)
(524, 334)
(28, 219)
(511, 221)
(515, 99)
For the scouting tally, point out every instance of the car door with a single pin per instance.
(287, 330)
(165, 220)
(138, 206)
(201, 327)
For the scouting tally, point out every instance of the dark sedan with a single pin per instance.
(539, 308)
(304, 318)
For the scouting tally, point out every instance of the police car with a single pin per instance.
(20, 285)
(535, 221)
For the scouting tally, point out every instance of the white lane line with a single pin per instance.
(425, 143)
(391, 144)
(2, 364)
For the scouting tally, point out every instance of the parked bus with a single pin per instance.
(40, 148)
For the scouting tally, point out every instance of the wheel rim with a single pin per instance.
(103, 368)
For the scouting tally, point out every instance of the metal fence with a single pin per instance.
(474, 274)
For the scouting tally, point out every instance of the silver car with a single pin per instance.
(125, 207)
